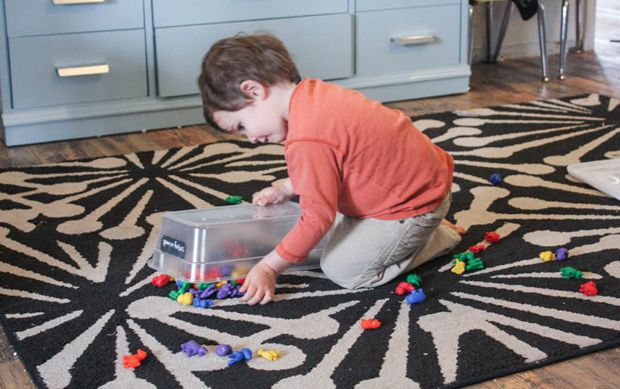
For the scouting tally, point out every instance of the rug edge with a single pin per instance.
(535, 365)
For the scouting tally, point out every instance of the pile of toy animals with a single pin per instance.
(200, 295)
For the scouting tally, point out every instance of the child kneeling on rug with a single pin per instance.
(357, 166)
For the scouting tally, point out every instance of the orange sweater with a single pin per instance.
(350, 154)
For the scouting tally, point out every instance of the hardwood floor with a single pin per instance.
(512, 81)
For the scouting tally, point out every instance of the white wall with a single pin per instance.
(522, 36)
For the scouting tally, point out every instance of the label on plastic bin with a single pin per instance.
(172, 246)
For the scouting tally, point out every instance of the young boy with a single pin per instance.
(356, 165)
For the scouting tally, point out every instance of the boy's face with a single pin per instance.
(261, 121)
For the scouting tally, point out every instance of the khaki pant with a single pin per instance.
(371, 252)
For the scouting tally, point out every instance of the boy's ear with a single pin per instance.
(253, 89)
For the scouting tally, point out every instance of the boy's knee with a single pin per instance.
(340, 275)
(349, 278)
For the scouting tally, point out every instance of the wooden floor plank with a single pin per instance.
(14, 376)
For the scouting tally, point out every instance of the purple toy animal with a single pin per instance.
(192, 348)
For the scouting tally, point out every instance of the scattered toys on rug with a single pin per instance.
(467, 260)
(568, 272)
(192, 348)
(411, 286)
(560, 255)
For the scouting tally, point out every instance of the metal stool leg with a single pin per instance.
(470, 41)
(489, 16)
(502, 30)
(578, 32)
(542, 41)
(563, 38)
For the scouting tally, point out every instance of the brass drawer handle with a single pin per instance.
(411, 40)
(68, 2)
(83, 70)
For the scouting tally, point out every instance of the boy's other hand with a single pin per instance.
(259, 285)
(268, 196)
(276, 194)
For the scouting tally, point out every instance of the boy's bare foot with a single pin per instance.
(459, 230)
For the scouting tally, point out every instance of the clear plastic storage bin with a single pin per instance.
(223, 243)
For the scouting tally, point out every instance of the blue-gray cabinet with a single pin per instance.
(80, 68)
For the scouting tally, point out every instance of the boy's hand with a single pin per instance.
(260, 283)
(268, 196)
(274, 194)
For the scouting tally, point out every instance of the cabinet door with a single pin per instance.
(322, 47)
(40, 17)
(403, 40)
(373, 5)
(71, 68)
(170, 13)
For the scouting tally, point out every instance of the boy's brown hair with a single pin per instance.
(230, 61)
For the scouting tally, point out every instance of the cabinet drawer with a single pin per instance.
(321, 46)
(373, 5)
(433, 34)
(35, 64)
(185, 12)
(40, 17)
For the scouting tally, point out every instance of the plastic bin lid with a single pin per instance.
(234, 213)
(603, 175)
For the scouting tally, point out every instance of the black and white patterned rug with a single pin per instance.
(75, 293)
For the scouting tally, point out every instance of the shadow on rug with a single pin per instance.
(76, 294)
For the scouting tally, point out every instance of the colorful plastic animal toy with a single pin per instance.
(495, 179)
(589, 288)
(245, 354)
(416, 297)
(133, 361)
(161, 280)
(270, 355)
(561, 254)
(223, 350)
(192, 348)
(403, 287)
(370, 324)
